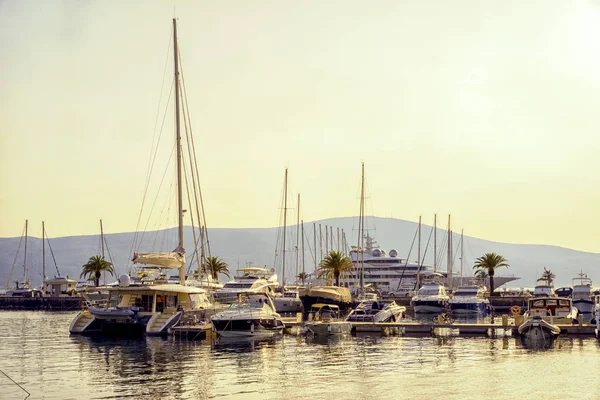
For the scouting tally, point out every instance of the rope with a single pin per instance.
(151, 162)
(109, 254)
(21, 387)
(407, 258)
(194, 167)
(12, 268)
(51, 252)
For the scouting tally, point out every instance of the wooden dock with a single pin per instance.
(456, 329)
(193, 332)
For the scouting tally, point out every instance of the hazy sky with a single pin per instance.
(487, 110)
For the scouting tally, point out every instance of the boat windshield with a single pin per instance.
(236, 285)
(429, 292)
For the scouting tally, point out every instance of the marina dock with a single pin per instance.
(401, 328)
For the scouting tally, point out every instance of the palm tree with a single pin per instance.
(216, 266)
(489, 262)
(482, 274)
(94, 267)
(333, 265)
(547, 276)
(302, 276)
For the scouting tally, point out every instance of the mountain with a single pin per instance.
(238, 247)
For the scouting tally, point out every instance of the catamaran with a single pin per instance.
(151, 306)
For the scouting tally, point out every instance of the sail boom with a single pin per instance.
(166, 259)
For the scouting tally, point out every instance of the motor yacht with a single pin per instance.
(582, 294)
(288, 300)
(326, 320)
(336, 295)
(431, 297)
(248, 280)
(253, 315)
(376, 311)
(470, 300)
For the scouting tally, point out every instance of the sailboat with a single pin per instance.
(151, 307)
(23, 288)
(287, 299)
(58, 286)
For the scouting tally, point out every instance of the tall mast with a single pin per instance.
(338, 239)
(461, 255)
(434, 242)
(320, 241)
(326, 239)
(449, 268)
(180, 247)
(419, 246)
(43, 255)
(102, 241)
(303, 265)
(25, 255)
(297, 237)
(361, 227)
(315, 243)
(284, 220)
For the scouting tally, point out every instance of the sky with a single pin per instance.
(480, 109)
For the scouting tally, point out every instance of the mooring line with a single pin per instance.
(22, 388)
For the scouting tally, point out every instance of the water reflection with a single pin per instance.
(147, 367)
(241, 345)
(38, 352)
(537, 343)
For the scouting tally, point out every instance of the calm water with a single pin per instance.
(37, 352)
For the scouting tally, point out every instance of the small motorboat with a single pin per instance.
(325, 320)
(543, 316)
(376, 311)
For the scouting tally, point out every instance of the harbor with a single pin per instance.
(299, 200)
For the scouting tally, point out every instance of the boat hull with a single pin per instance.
(429, 306)
(536, 328)
(329, 328)
(247, 328)
(584, 306)
(467, 308)
(287, 305)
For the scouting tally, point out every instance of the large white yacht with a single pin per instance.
(248, 280)
(391, 274)
(253, 315)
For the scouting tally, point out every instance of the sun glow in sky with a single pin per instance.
(486, 110)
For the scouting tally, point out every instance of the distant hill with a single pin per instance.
(257, 246)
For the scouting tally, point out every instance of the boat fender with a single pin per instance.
(328, 328)
(515, 310)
